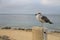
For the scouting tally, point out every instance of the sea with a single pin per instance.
(28, 21)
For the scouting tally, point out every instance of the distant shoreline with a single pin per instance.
(25, 29)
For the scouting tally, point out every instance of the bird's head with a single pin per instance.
(38, 14)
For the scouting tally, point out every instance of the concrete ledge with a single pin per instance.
(37, 33)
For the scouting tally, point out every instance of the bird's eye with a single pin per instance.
(39, 13)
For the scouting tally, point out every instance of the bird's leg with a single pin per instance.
(45, 32)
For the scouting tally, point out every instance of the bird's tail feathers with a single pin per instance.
(50, 22)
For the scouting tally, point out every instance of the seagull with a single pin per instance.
(43, 19)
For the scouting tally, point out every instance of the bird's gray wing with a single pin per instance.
(45, 19)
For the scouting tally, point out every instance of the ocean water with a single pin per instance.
(28, 21)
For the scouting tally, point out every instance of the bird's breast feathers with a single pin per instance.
(38, 17)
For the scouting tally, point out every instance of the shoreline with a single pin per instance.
(27, 29)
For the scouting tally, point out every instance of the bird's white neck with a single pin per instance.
(38, 16)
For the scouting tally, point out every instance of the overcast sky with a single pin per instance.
(29, 6)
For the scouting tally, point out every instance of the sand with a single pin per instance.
(53, 36)
(26, 35)
(17, 34)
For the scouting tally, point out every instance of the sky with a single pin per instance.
(29, 6)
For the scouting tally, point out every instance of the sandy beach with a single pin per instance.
(53, 36)
(25, 35)
(17, 34)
